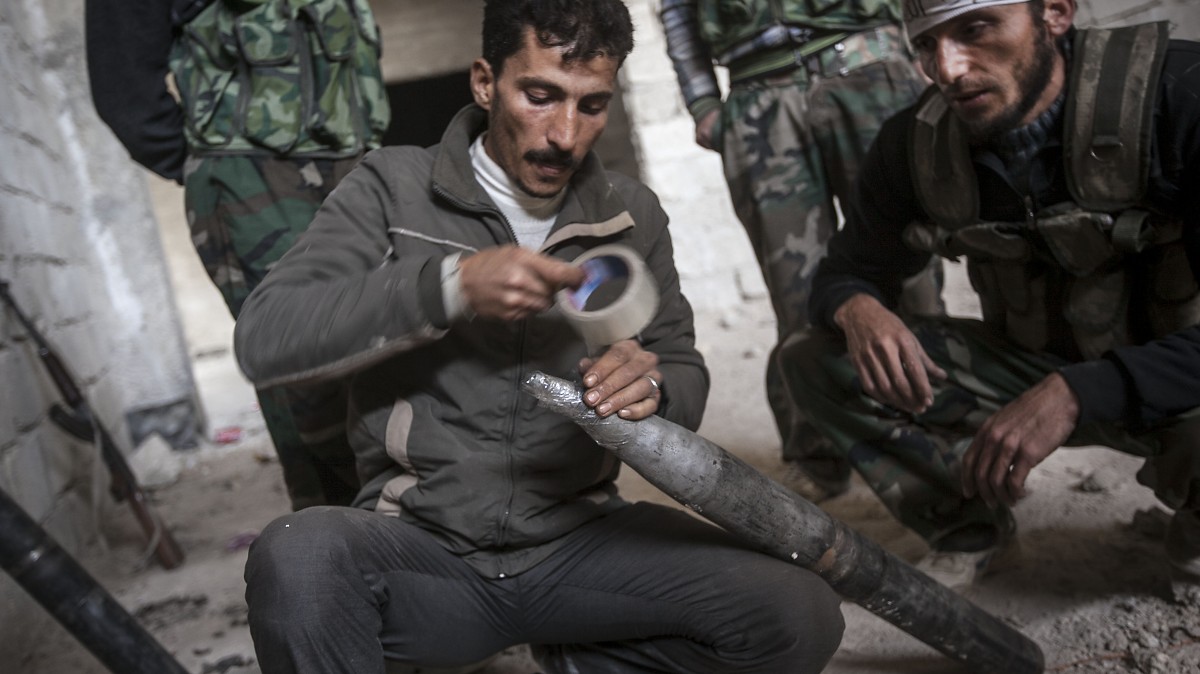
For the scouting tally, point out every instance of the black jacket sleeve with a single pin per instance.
(691, 58)
(128, 49)
(868, 254)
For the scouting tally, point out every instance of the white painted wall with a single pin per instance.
(426, 39)
(1184, 15)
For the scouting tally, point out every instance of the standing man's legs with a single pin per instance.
(645, 589)
(245, 212)
(789, 146)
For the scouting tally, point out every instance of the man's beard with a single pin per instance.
(1031, 82)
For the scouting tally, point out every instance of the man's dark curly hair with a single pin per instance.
(587, 28)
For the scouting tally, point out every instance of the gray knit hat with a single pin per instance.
(921, 15)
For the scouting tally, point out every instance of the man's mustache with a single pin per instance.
(961, 87)
(551, 157)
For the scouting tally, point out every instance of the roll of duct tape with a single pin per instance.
(599, 317)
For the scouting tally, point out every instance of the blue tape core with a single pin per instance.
(598, 271)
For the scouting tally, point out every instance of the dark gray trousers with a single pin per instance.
(645, 589)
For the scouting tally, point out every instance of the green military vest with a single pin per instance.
(1086, 257)
(724, 24)
(286, 77)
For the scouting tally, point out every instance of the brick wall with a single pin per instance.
(82, 253)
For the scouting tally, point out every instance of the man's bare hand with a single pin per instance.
(620, 381)
(704, 129)
(511, 283)
(892, 365)
(1017, 438)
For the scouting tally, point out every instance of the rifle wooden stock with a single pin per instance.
(79, 422)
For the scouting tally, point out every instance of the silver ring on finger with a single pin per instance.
(657, 387)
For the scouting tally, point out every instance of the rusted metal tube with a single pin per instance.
(729, 492)
(75, 599)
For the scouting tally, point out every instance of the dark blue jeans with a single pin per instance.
(645, 589)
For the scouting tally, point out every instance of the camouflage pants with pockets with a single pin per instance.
(913, 461)
(244, 213)
(791, 144)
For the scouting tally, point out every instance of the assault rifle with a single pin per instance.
(77, 420)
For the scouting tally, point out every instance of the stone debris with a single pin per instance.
(1098, 482)
(753, 353)
(1144, 634)
(238, 615)
(170, 611)
(226, 663)
(155, 463)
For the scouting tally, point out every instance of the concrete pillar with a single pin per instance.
(81, 250)
(112, 287)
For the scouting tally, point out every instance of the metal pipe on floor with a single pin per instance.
(729, 492)
(75, 599)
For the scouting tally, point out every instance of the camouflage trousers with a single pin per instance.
(244, 213)
(913, 462)
(791, 144)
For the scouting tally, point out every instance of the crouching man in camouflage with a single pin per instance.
(1062, 164)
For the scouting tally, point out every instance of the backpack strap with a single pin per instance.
(940, 163)
(1113, 85)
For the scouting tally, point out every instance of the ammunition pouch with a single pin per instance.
(293, 78)
(1089, 261)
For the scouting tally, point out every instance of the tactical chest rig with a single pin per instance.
(1117, 271)
(284, 77)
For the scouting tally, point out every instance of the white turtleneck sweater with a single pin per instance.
(530, 217)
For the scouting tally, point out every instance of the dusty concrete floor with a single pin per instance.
(1090, 589)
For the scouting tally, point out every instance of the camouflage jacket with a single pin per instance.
(443, 436)
(129, 46)
(755, 36)
(1148, 378)
(284, 77)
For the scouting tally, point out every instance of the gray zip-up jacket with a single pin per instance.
(443, 436)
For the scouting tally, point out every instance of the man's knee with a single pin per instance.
(805, 358)
(793, 620)
(810, 622)
(309, 544)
